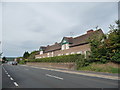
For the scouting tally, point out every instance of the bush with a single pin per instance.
(77, 58)
(56, 59)
(116, 57)
(22, 62)
(81, 62)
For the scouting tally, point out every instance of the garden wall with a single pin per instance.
(71, 66)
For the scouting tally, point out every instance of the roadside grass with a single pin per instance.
(97, 67)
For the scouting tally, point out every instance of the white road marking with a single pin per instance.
(6, 71)
(54, 76)
(16, 84)
(11, 78)
(79, 73)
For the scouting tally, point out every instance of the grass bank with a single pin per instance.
(98, 67)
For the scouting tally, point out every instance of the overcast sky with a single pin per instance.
(27, 26)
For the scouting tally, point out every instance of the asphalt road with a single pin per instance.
(29, 77)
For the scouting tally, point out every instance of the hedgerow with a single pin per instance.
(64, 58)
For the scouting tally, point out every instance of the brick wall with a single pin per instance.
(71, 66)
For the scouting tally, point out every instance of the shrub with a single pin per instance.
(64, 58)
(22, 62)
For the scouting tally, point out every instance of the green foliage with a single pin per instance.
(18, 59)
(107, 47)
(98, 67)
(77, 58)
(82, 62)
(4, 59)
(22, 62)
(116, 57)
(26, 55)
(32, 54)
(64, 58)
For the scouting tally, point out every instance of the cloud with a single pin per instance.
(27, 26)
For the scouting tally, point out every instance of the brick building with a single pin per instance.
(69, 45)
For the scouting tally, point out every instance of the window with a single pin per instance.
(67, 53)
(48, 54)
(78, 53)
(58, 54)
(65, 46)
(72, 52)
(85, 52)
(41, 52)
(52, 54)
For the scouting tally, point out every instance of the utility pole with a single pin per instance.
(0, 54)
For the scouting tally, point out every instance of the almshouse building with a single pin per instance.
(69, 45)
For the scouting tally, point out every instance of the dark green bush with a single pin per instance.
(22, 62)
(64, 58)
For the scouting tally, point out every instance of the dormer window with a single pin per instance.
(65, 44)
(42, 49)
(41, 52)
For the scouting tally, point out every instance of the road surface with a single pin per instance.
(28, 77)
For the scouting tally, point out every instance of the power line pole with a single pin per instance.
(0, 52)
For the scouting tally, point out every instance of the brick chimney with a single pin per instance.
(89, 31)
(56, 43)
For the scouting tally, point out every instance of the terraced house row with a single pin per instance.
(69, 45)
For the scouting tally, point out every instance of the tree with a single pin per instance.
(113, 43)
(4, 59)
(107, 47)
(26, 55)
(32, 54)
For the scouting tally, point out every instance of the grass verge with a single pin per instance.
(97, 67)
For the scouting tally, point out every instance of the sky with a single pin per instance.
(28, 25)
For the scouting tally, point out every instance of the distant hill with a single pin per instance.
(10, 58)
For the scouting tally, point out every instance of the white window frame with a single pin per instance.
(72, 52)
(41, 52)
(67, 53)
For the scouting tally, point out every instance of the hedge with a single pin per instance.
(64, 58)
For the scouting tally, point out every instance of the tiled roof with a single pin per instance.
(74, 41)
(54, 47)
(84, 38)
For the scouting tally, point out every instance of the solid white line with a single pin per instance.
(16, 84)
(11, 78)
(54, 76)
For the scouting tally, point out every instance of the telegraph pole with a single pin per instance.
(0, 54)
